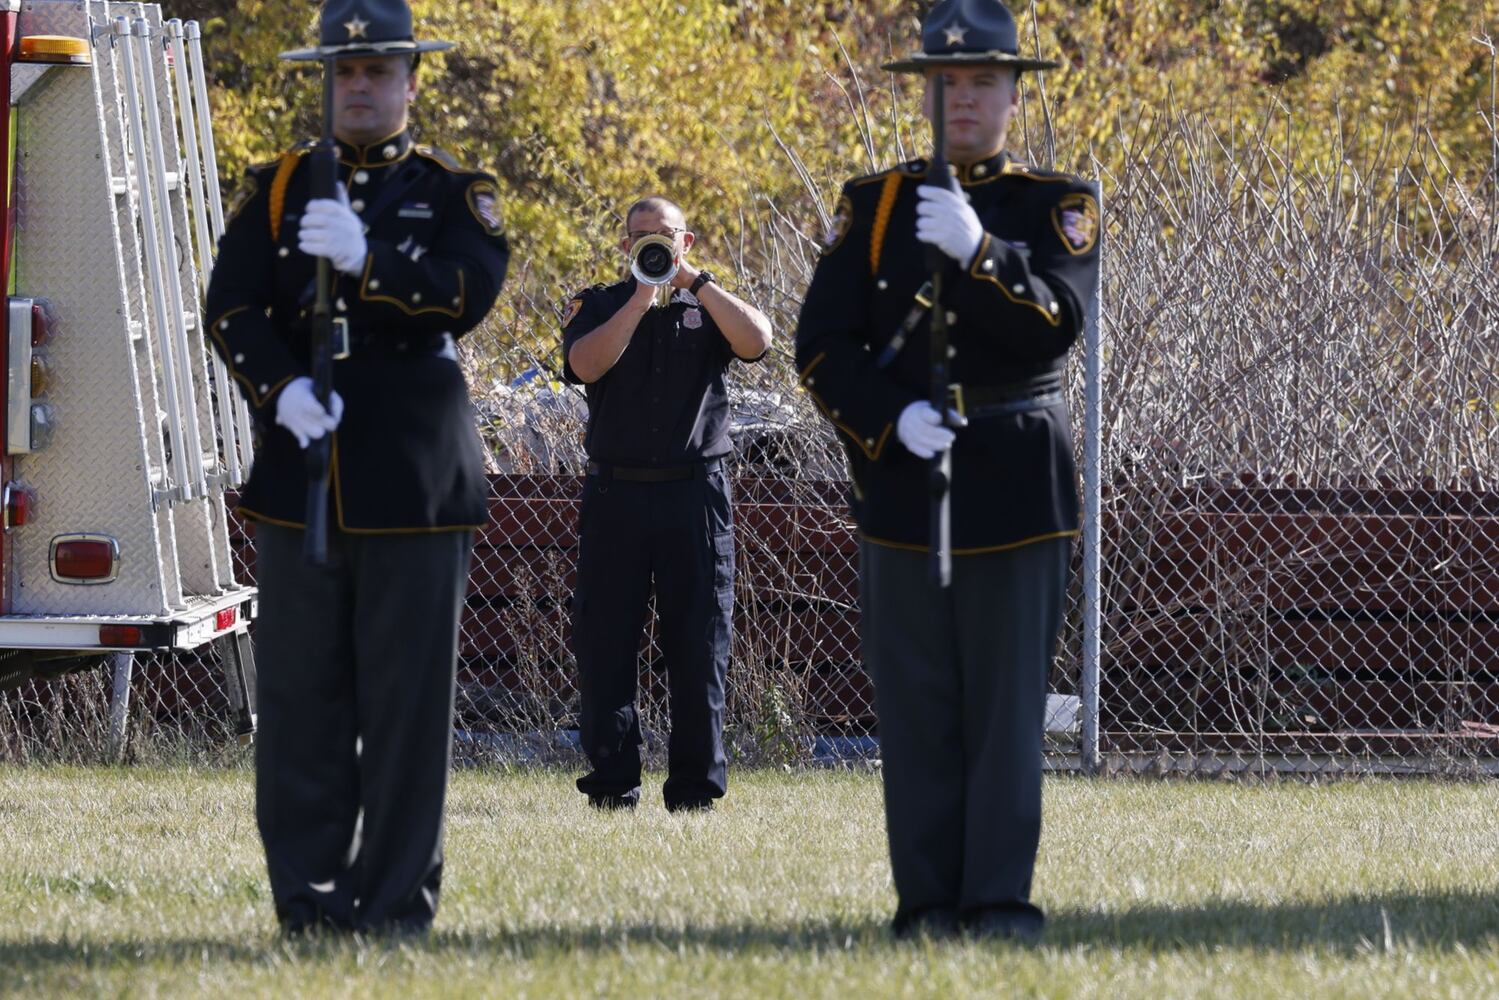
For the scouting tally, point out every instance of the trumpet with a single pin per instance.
(653, 260)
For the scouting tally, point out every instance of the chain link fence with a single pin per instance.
(1298, 511)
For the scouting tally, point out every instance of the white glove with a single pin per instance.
(298, 410)
(946, 220)
(921, 430)
(331, 229)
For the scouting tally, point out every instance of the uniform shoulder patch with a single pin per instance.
(575, 304)
(484, 201)
(1076, 219)
(838, 225)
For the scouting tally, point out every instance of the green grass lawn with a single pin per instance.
(143, 883)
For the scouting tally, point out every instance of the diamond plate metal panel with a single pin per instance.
(93, 476)
(54, 17)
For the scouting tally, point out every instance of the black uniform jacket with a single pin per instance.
(406, 456)
(1015, 312)
(665, 401)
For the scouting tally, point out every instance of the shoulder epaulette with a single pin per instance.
(442, 158)
(1026, 170)
(911, 168)
(599, 287)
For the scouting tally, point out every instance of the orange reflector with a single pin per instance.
(55, 49)
(39, 375)
(85, 559)
(225, 619)
(20, 501)
(121, 635)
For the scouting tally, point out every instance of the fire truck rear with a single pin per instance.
(121, 432)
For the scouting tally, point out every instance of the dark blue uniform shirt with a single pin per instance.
(664, 402)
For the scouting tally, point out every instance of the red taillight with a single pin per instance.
(121, 635)
(20, 503)
(41, 328)
(85, 559)
(225, 619)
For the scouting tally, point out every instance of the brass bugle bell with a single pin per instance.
(653, 260)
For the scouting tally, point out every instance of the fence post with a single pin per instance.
(122, 669)
(1092, 758)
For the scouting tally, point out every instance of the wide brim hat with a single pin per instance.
(968, 33)
(354, 28)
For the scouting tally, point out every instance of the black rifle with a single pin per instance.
(324, 184)
(940, 264)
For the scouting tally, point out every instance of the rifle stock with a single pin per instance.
(324, 181)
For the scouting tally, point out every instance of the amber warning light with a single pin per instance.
(55, 49)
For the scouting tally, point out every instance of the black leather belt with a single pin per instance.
(1015, 397)
(649, 474)
(365, 344)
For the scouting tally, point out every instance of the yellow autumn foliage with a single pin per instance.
(742, 108)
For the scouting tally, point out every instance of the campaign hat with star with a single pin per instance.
(968, 33)
(351, 28)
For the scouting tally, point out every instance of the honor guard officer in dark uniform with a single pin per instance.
(357, 657)
(960, 673)
(656, 505)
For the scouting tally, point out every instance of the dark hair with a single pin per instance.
(653, 203)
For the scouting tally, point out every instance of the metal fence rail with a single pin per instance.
(1296, 434)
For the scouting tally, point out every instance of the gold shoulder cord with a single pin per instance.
(284, 171)
(888, 192)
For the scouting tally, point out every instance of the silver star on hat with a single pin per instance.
(956, 35)
(356, 27)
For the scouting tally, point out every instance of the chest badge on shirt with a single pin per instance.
(692, 319)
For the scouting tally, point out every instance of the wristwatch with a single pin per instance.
(703, 277)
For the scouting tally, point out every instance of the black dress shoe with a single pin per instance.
(933, 922)
(691, 805)
(1020, 923)
(609, 803)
